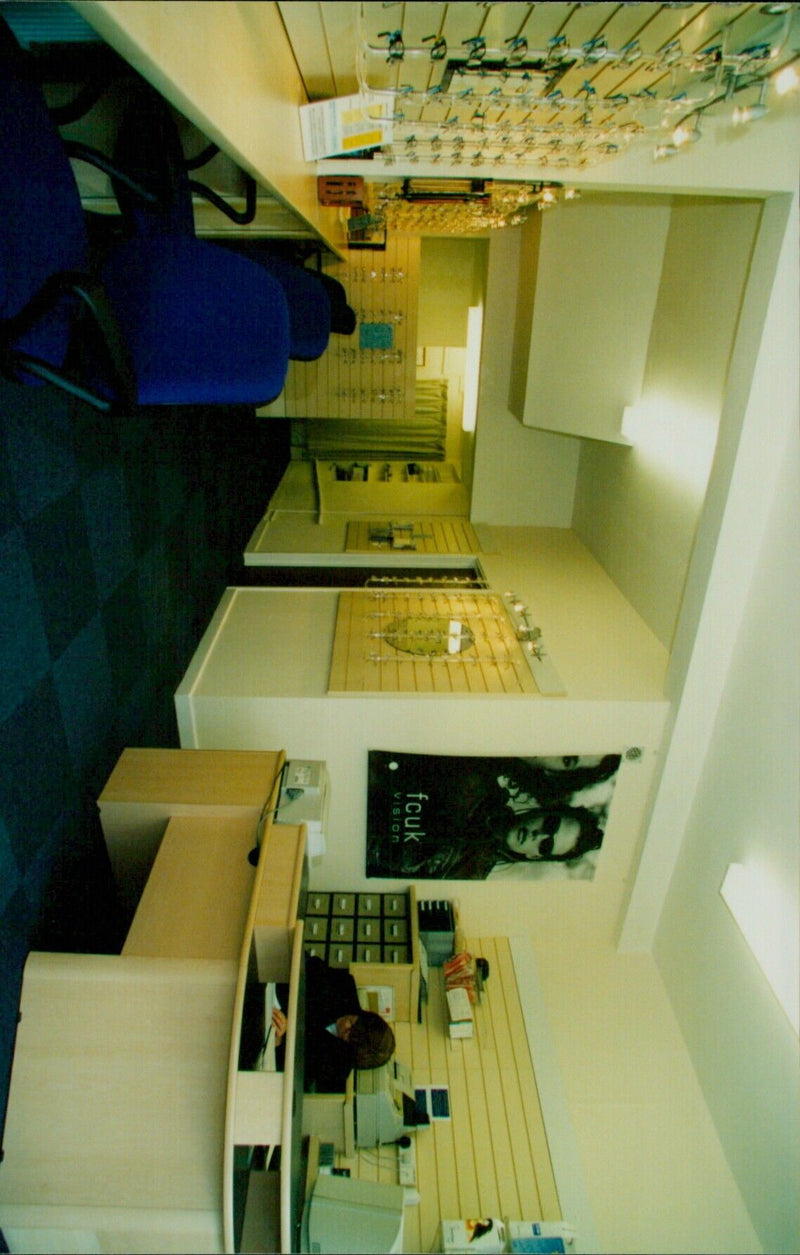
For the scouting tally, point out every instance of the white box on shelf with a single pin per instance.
(461, 1029)
(459, 1006)
(540, 1237)
(460, 1237)
(307, 774)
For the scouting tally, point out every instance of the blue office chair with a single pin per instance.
(310, 310)
(149, 150)
(167, 320)
(343, 317)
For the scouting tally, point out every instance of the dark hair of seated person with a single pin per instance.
(371, 1040)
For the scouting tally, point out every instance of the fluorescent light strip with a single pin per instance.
(472, 370)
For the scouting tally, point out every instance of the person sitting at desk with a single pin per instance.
(339, 1034)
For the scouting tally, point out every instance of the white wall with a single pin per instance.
(747, 808)
(592, 284)
(529, 477)
(655, 1170)
(522, 477)
(761, 405)
(602, 649)
(452, 277)
(637, 509)
(761, 410)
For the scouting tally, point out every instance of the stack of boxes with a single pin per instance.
(496, 1237)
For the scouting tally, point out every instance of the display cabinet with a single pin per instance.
(374, 488)
(375, 935)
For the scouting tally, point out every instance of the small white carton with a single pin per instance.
(540, 1237)
(462, 1237)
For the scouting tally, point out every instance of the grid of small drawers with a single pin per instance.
(344, 928)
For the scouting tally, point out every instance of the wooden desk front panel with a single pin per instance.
(149, 786)
(117, 1103)
(228, 778)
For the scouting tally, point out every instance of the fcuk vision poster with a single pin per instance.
(442, 817)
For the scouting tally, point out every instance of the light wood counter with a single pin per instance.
(195, 902)
(113, 1137)
(126, 1100)
(148, 787)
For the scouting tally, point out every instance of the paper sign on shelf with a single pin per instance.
(344, 125)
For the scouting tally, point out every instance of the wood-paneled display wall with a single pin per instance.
(424, 536)
(374, 652)
(351, 381)
(491, 1157)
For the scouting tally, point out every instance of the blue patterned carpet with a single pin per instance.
(117, 538)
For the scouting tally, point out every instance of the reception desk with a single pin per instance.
(132, 1113)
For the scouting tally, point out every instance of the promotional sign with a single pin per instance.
(442, 817)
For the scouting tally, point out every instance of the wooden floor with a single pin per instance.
(491, 1158)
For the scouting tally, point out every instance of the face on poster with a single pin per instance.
(445, 817)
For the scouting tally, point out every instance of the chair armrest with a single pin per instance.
(243, 216)
(202, 158)
(93, 157)
(94, 303)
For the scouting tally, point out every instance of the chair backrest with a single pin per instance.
(306, 296)
(42, 228)
(171, 319)
(308, 301)
(343, 318)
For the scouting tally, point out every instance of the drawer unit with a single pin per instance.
(372, 920)
(318, 904)
(341, 928)
(343, 903)
(375, 934)
(340, 954)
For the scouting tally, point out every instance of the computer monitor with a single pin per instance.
(345, 1214)
(385, 1106)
